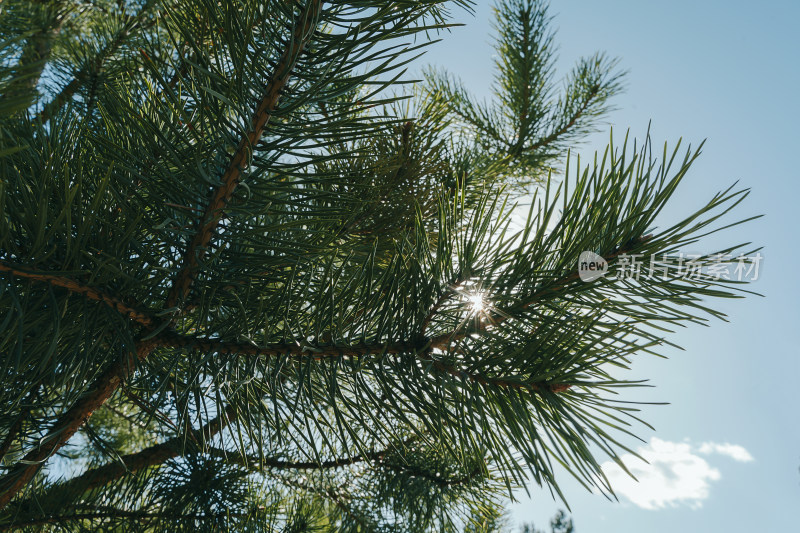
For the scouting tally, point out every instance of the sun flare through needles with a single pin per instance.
(476, 302)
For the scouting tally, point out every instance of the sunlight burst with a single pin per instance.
(476, 301)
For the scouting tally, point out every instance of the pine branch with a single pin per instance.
(132, 22)
(486, 127)
(135, 462)
(420, 356)
(91, 293)
(542, 143)
(293, 349)
(525, 46)
(445, 341)
(558, 285)
(66, 426)
(272, 463)
(538, 387)
(38, 47)
(422, 348)
(304, 29)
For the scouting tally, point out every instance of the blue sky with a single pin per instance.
(726, 450)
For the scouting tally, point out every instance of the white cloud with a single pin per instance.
(734, 451)
(675, 475)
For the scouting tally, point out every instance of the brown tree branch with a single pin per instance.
(140, 317)
(158, 454)
(66, 426)
(135, 462)
(378, 457)
(303, 30)
(425, 346)
(422, 349)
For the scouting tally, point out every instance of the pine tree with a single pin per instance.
(252, 278)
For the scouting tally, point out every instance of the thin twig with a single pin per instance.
(143, 318)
